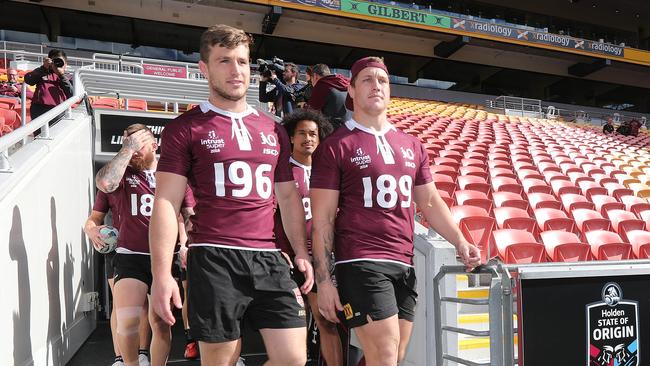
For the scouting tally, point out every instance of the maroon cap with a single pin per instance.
(356, 69)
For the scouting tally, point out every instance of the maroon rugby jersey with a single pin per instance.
(135, 196)
(375, 173)
(232, 161)
(301, 174)
(104, 202)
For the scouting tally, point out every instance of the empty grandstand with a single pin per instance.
(508, 99)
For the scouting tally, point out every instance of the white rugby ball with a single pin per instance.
(109, 235)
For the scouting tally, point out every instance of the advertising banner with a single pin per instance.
(379, 10)
(591, 321)
(179, 72)
(557, 40)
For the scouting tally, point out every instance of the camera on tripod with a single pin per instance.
(267, 67)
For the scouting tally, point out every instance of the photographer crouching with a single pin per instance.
(52, 86)
(284, 94)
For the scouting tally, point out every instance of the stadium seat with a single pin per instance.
(571, 201)
(543, 200)
(473, 183)
(477, 227)
(563, 246)
(561, 187)
(444, 169)
(137, 105)
(604, 203)
(502, 172)
(473, 170)
(554, 219)
(106, 103)
(447, 161)
(590, 188)
(473, 198)
(640, 241)
(624, 221)
(617, 190)
(587, 220)
(607, 245)
(505, 184)
(518, 246)
(523, 174)
(11, 118)
(509, 199)
(514, 218)
(635, 204)
(532, 185)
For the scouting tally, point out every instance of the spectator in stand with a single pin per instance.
(284, 94)
(608, 127)
(52, 86)
(635, 125)
(305, 93)
(329, 93)
(12, 88)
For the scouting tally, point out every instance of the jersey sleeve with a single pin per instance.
(188, 200)
(175, 150)
(101, 202)
(423, 175)
(283, 172)
(325, 170)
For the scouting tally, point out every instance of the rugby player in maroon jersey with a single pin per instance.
(237, 161)
(129, 177)
(306, 129)
(371, 173)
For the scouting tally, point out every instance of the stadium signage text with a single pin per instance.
(613, 329)
(395, 13)
(530, 36)
(112, 125)
(179, 72)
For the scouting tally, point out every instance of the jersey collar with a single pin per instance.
(297, 163)
(351, 124)
(207, 106)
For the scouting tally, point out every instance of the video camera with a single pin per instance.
(266, 67)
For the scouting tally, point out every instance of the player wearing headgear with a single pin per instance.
(365, 178)
(237, 161)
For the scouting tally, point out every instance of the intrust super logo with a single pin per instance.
(613, 329)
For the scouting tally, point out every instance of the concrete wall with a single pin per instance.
(45, 258)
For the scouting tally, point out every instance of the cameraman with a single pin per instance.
(283, 95)
(52, 86)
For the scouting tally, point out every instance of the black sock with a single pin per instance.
(143, 352)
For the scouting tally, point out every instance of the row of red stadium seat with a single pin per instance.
(534, 190)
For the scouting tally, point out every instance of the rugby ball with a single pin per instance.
(108, 234)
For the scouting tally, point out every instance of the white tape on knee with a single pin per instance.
(128, 319)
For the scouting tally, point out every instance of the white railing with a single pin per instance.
(20, 134)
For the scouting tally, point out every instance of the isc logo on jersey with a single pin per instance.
(269, 140)
(408, 154)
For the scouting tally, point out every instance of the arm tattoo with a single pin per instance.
(111, 174)
(323, 265)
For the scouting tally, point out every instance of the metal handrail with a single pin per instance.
(500, 307)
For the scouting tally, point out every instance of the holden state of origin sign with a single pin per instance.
(613, 329)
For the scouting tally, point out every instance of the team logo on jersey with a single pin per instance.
(213, 143)
(268, 139)
(133, 181)
(361, 160)
(613, 329)
(408, 155)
